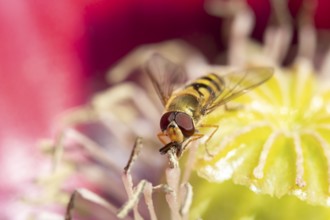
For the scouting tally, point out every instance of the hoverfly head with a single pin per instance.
(177, 125)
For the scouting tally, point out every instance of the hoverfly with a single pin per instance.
(185, 107)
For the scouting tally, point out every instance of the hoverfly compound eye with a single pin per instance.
(166, 119)
(185, 123)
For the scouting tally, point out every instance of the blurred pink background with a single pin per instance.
(54, 55)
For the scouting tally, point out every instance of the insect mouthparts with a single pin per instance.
(169, 146)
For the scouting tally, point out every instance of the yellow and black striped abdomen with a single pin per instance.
(208, 87)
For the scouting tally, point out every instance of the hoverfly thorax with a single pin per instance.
(178, 126)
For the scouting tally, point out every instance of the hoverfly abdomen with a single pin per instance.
(208, 87)
(216, 80)
(200, 86)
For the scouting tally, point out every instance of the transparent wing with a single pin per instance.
(164, 75)
(238, 83)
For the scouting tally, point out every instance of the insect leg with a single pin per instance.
(194, 137)
(215, 127)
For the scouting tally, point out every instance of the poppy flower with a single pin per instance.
(38, 40)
